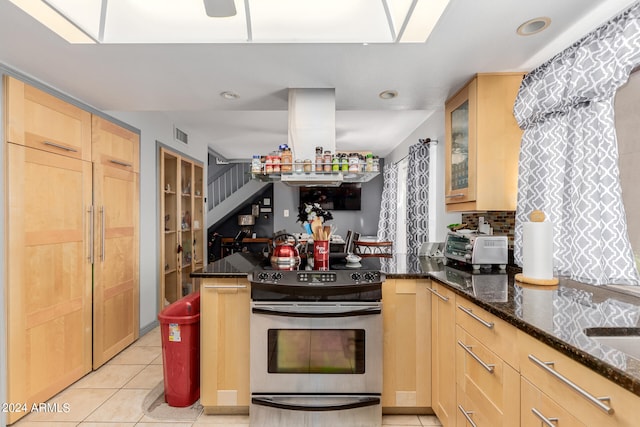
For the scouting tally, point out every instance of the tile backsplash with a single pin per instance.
(503, 222)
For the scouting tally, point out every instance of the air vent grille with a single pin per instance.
(181, 135)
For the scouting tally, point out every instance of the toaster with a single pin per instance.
(480, 251)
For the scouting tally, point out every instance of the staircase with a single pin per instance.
(228, 188)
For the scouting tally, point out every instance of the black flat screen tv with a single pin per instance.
(346, 197)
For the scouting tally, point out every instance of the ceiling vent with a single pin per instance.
(180, 135)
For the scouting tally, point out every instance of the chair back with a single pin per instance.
(366, 249)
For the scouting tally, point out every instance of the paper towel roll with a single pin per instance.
(537, 250)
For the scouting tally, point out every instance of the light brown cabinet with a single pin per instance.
(406, 317)
(224, 354)
(72, 272)
(182, 227)
(482, 144)
(581, 395)
(443, 354)
(116, 298)
(487, 377)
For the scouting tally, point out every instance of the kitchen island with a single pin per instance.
(560, 317)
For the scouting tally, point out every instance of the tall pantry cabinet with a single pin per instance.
(71, 242)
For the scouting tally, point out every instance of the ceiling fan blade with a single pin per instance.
(220, 8)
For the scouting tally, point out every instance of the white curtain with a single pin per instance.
(417, 197)
(569, 155)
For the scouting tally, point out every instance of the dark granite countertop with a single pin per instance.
(559, 316)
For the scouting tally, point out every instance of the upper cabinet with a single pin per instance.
(482, 145)
(39, 120)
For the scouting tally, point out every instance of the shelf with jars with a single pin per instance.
(326, 166)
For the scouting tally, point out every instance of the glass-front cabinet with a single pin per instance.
(482, 144)
(182, 224)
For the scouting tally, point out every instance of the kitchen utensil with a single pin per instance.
(285, 254)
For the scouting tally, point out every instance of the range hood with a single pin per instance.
(311, 124)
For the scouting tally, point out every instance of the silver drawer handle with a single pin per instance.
(595, 400)
(225, 286)
(470, 313)
(62, 147)
(118, 162)
(467, 348)
(453, 196)
(438, 294)
(549, 422)
(467, 415)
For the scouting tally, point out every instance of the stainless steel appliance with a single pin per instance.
(316, 348)
(478, 250)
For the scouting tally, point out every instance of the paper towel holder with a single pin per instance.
(536, 216)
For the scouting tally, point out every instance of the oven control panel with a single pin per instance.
(316, 277)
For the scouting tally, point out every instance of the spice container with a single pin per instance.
(344, 163)
(376, 164)
(369, 163)
(268, 165)
(335, 163)
(354, 163)
(256, 165)
(319, 159)
(298, 166)
(287, 160)
(327, 161)
(307, 167)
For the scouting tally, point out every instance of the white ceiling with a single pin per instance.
(183, 81)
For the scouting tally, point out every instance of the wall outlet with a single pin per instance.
(286, 213)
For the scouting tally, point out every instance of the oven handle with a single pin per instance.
(353, 313)
(357, 402)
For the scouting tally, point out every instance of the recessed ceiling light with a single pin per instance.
(388, 94)
(534, 26)
(229, 95)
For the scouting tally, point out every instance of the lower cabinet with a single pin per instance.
(538, 409)
(443, 354)
(224, 355)
(581, 396)
(406, 314)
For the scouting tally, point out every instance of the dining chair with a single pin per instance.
(367, 249)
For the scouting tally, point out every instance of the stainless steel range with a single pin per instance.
(316, 348)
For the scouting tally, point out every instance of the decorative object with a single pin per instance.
(308, 212)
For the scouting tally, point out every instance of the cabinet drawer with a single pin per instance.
(576, 387)
(493, 332)
(474, 410)
(490, 383)
(540, 410)
(39, 120)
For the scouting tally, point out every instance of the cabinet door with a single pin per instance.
(114, 145)
(443, 354)
(406, 319)
(116, 245)
(49, 274)
(460, 151)
(224, 355)
(39, 120)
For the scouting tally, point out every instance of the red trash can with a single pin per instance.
(180, 329)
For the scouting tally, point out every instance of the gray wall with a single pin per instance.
(364, 221)
(628, 128)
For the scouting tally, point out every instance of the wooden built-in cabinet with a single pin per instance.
(182, 227)
(224, 355)
(443, 353)
(482, 145)
(406, 317)
(581, 396)
(72, 242)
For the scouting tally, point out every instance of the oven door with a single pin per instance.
(316, 347)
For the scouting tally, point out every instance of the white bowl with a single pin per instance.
(352, 259)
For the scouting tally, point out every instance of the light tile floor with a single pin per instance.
(113, 396)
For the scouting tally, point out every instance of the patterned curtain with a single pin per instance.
(388, 221)
(417, 197)
(569, 155)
